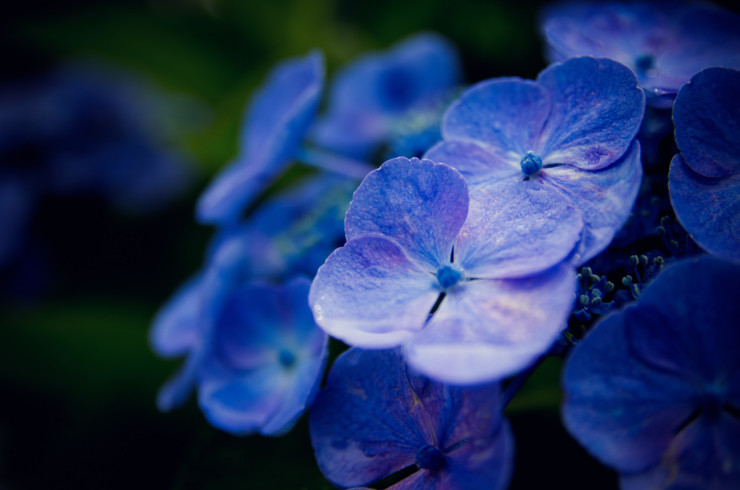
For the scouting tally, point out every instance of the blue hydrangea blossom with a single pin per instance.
(293, 232)
(376, 417)
(704, 179)
(664, 43)
(654, 390)
(418, 241)
(257, 366)
(274, 128)
(569, 135)
(380, 91)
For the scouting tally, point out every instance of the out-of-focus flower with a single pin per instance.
(704, 179)
(395, 95)
(274, 127)
(375, 417)
(418, 243)
(568, 135)
(654, 390)
(664, 43)
(257, 361)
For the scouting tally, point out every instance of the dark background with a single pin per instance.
(77, 378)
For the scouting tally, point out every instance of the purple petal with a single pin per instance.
(604, 198)
(374, 417)
(516, 228)
(367, 423)
(704, 455)
(485, 330)
(708, 208)
(473, 161)
(624, 413)
(505, 115)
(707, 119)
(368, 293)
(597, 109)
(275, 125)
(703, 292)
(421, 205)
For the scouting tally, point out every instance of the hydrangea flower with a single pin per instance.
(704, 180)
(257, 361)
(664, 43)
(654, 390)
(419, 242)
(380, 91)
(375, 418)
(568, 134)
(274, 127)
(293, 232)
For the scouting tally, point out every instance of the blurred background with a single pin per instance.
(156, 89)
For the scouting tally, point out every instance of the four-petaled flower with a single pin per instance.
(418, 243)
(568, 135)
(654, 390)
(375, 418)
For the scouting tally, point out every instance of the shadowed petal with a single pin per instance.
(515, 229)
(605, 198)
(368, 293)
(708, 208)
(421, 205)
(707, 119)
(597, 109)
(485, 330)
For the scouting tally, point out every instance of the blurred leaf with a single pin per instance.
(542, 389)
(88, 351)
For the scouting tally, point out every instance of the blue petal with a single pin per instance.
(246, 384)
(368, 293)
(175, 329)
(707, 119)
(625, 414)
(506, 116)
(485, 330)
(516, 228)
(704, 455)
(605, 198)
(370, 94)
(476, 163)
(274, 127)
(708, 208)
(596, 112)
(419, 204)
(692, 295)
(375, 415)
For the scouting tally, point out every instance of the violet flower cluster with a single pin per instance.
(453, 273)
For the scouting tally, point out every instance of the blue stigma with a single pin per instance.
(430, 458)
(287, 358)
(644, 63)
(531, 163)
(448, 276)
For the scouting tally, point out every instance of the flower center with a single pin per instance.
(644, 63)
(286, 358)
(448, 276)
(531, 163)
(430, 458)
